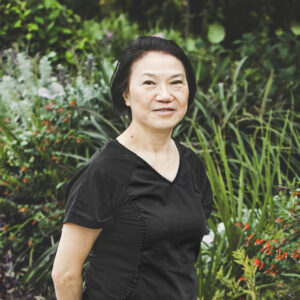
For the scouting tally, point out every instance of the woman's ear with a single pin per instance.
(125, 97)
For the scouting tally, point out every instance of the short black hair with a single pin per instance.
(135, 51)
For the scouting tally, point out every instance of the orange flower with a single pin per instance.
(46, 122)
(78, 140)
(12, 237)
(258, 241)
(22, 209)
(247, 226)
(6, 120)
(4, 183)
(279, 220)
(261, 265)
(49, 106)
(268, 252)
(6, 193)
(33, 222)
(25, 180)
(239, 224)
(30, 243)
(257, 262)
(73, 103)
(70, 136)
(4, 228)
(242, 278)
(59, 109)
(17, 187)
(23, 168)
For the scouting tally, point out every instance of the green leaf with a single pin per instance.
(69, 57)
(216, 33)
(295, 27)
(53, 40)
(27, 12)
(50, 26)
(18, 24)
(32, 27)
(66, 31)
(54, 14)
(39, 20)
(28, 36)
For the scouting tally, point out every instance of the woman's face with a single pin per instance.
(157, 92)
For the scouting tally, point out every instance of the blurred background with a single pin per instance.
(56, 61)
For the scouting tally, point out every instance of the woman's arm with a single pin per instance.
(74, 246)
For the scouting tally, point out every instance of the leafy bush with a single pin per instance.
(38, 26)
(50, 125)
(276, 250)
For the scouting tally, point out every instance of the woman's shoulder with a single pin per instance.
(193, 158)
(108, 162)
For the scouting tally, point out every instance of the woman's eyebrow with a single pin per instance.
(172, 76)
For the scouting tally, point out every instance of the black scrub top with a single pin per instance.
(152, 227)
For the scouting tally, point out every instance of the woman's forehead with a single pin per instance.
(155, 62)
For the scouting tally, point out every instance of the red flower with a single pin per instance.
(257, 262)
(22, 209)
(242, 278)
(261, 265)
(279, 220)
(247, 226)
(49, 106)
(251, 236)
(239, 224)
(60, 109)
(73, 103)
(45, 122)
(33, 222)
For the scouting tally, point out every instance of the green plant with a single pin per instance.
(276, 251)
(49, 127)
(38, 26)
(243, 183)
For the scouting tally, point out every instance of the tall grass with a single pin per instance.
(243, 183)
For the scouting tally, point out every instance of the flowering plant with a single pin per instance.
(276, 250)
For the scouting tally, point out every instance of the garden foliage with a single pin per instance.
(55, 111)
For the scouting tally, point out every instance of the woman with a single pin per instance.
(138, 209)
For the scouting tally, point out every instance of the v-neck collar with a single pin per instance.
(150, 167)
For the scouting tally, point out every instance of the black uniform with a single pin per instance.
(152, 227)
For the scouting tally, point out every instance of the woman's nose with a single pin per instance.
(163, 93)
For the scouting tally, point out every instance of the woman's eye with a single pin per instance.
(148, 82)
(177, 82)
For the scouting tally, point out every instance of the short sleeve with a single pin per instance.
(207, 200)
(202, 182)
(89, 198)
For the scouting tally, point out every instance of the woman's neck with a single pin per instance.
(139, 139)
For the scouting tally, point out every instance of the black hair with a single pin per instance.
(135, 51)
